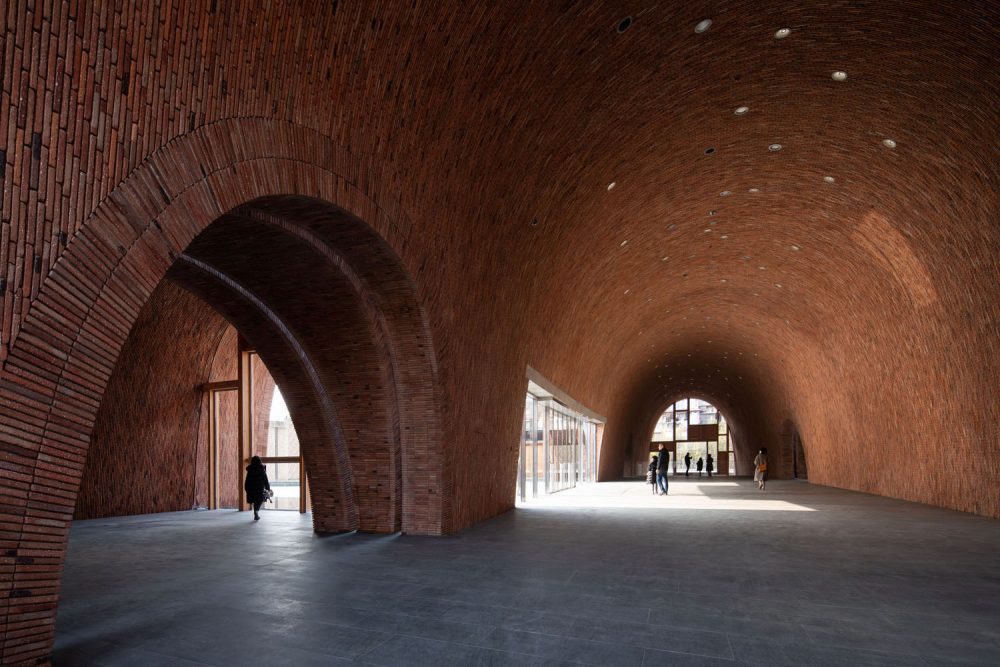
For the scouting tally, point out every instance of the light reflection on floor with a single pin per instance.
(688, 494)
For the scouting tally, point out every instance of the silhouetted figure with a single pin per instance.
(256, 485)
(651, 473)
(662, 461)
(687, 464)
(700, 464)
(709, 465)
(760, 468)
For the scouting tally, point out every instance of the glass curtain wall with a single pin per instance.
(558, 448)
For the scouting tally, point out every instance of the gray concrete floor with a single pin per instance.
(717, 573)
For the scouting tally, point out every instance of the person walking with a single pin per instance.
(687, 464)
(662, 461)
(651, 472)
(699, 464)
(256, 485)
(709, 465)
(760, 468)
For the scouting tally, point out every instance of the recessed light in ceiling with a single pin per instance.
(703, 26)
(795, 247)
(725, 193)
(829, 179)
(712, 212)
(624, 24)
(753, 190)
(782, 33)
(839, 76)
(741, 110)
(888, 143)
(622, 245)
(724, 236)
(611, 186)
(774, 148)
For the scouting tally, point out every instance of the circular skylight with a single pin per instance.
(703, 26)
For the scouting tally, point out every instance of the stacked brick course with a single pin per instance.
(466, 152)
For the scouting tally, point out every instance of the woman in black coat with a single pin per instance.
(255, 485)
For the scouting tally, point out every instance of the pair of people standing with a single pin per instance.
(700, 464)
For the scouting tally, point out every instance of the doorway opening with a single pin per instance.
(560, 444)
(697, 429)
(266, 431)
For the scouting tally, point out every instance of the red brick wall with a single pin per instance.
(447, 132)
(143, 453)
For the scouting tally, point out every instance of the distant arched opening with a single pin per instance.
(691, 429)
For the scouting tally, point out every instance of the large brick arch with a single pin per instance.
(65, 351)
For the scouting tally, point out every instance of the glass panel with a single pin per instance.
(281, 437)
(681, 426)
(558, 449)
(284, 479)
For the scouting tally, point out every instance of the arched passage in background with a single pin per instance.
(204, 214)
(693, 424)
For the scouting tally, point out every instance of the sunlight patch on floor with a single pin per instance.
(687, 495)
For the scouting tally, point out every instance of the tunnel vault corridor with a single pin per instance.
(787, 209)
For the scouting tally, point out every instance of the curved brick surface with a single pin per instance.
(864, 309)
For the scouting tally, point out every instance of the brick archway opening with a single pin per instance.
(318, 296)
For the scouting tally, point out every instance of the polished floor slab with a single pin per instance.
(716, 573)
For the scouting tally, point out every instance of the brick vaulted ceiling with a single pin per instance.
(846, 284)
(838, 282)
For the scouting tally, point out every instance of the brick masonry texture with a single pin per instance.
(442, 173)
